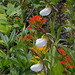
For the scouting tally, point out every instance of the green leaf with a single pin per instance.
(52, 28)
(14, 61)
(3, 16)
(16, 26)
(55, 2)
(2, 21)
(54, 58)
(0, 64)
(4, 38)
(58, 69)
(2, 9)
(10, 10)
(60, 28)
(29, 56)
(26, 30)
(36, 5)
(2, 43)
(36, 1)
(17, 8)
(74, 44)
(17, 47)
(2, 54)
(10, 5)
(18, 61)
(14, 13)
(5, 28)
(50, 35)
(12, 35)
(5, 61)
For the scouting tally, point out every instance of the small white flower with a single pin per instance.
(36, 67)
(45, 11)
(41, 42)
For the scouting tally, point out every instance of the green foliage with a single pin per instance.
(16, 40)
(55, 2)
(7, 41)
(2, 10)
(2, 54)
(58, 69)
(36, 1)
(59, 30)
(5, 28)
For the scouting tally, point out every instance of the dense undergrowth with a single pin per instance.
(37, 37)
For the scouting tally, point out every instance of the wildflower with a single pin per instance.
(40, 46)
(70, 66)
(37, 67)
(63, 62)
(66, 5)
(27, 37)
(29, 28)
(17, 17)
(21, 4)
(33, 33)
(67, 61)
(62, 51)
(67, 20)
(63, 9)
(45, 11)
(19, 37)
(26, 2)
(40, 50)
(40, 42)
(72, 18)
(36, 21)
(46, 30)
(35, 59)
(42, 73)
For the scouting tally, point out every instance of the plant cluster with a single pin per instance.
(30, 38)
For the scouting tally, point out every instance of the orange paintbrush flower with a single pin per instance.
(66, 5)
(63, 9)
(63, 62)
(70, 66)
(26, 2)
(27, 37)
(62, 51)
(20, 4)
(67, 61)
(19, 37)
(29, 28)
(36, 21)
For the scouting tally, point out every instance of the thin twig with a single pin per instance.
(29, 15)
